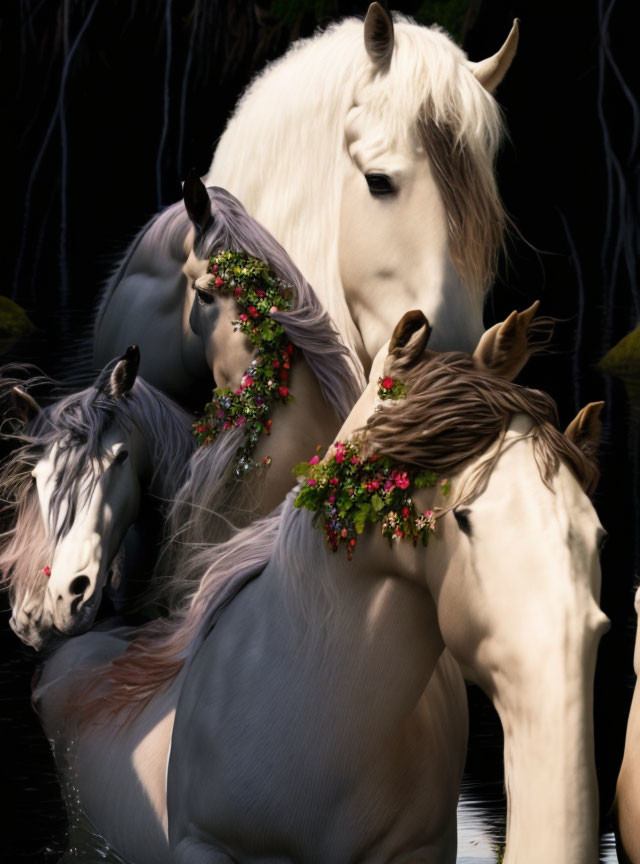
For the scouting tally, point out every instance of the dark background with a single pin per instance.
(110, 102)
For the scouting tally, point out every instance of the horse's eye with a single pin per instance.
(464, 523)
(204, 297)
(379, 184)
(121, 456)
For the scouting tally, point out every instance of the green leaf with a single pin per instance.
(363, 513)
(424, 479)
(302, 469)
(377, 502)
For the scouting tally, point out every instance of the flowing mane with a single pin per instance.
(451, 412)
(428, 92)
(77, 422)
(308, 327)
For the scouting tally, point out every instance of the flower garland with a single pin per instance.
(390, 388)
(346, 492)
(258, 295)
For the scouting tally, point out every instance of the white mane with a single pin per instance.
(316, 83)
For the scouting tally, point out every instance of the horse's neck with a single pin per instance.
(551, 785)
(276, 182)
(298, 428)
(214, 504)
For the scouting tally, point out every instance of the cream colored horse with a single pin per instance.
(368, 152)
(317, 717)
(626, 808)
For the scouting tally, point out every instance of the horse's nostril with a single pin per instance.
(79, 586)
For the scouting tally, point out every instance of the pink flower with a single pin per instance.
(314, 460)
(247, 380)
(260, 292)
(243, 317)
(387, 383)
(311, 482)
(332, 499)
(428, 513)
(402, 481)
(252, 311)
(241, 421)
(334, 481)
(283, 392)
(238, 291)
(47, 571)
(340, 456)
(355, 460)
(405, 512)
(219, 282)
(214, 269)
(273, 310)
(276, 364)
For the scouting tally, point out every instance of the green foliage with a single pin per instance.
(258, 296)
(623, 360)
(346, 492)
(14, 323)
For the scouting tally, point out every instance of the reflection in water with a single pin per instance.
(481, 828)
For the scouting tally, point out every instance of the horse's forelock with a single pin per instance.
(430, 95)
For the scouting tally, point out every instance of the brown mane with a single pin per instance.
(453, 412)
(475, 215)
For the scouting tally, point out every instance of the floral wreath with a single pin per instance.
(390, 388)
(346, 492)
(259, 296)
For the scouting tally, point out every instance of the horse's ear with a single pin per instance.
(196, 200)
(409, 339)
(378, 35)
(492, 70)
(124, 372)
(24, 406)
(504, 349)
(586, 428)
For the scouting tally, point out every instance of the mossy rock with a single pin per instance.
(623, 360)
(14, 323)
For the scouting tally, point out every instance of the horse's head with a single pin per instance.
(210, 313)
(90, 457)
(421, 222)
(89, 486)
(514, 564)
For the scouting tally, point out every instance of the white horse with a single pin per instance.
(92, 466)
(626, 808)
(316, 719)
(368, 152)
